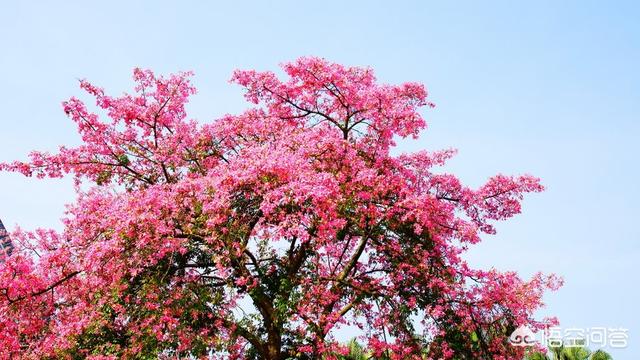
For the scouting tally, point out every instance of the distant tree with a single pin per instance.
(600, 355)
(355, 352)
(258, 235)
(570, 353)
(6, 246)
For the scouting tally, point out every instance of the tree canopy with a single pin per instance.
(259, 235)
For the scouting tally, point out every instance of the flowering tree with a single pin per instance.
(259, 235)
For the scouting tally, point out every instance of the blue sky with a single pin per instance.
(545, 87)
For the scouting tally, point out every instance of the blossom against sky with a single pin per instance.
(546, 88)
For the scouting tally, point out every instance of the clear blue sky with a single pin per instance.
(546, 87)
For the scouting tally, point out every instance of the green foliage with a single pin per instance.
(570, 353)
(356, 352)
(601, 355)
